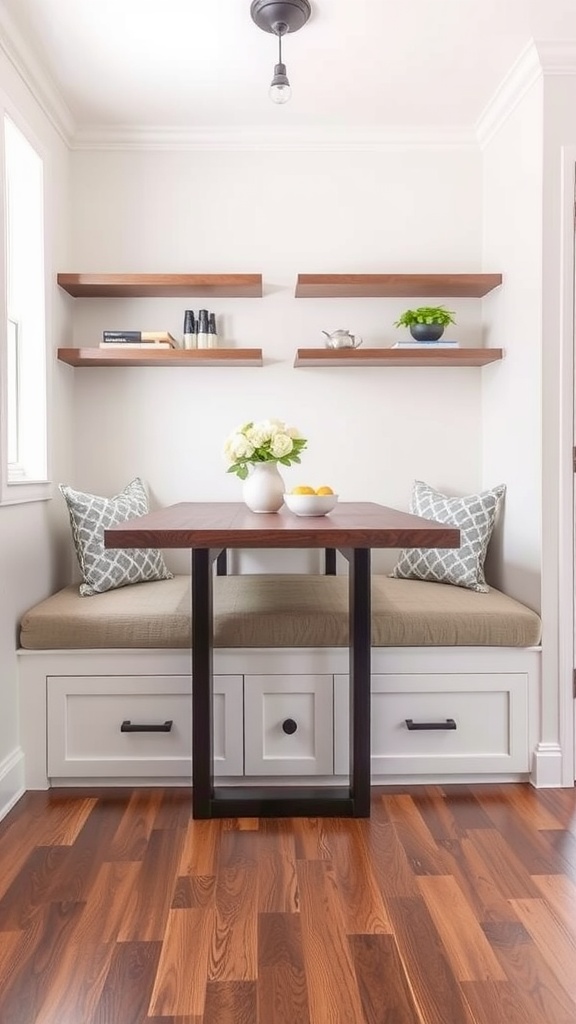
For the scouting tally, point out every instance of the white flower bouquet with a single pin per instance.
(266, 441)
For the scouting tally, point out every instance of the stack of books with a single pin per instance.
(427, 344)
(138, 339)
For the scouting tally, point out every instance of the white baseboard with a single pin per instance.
(11, 781)
(547, 766)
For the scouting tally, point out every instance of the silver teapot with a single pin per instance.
(342, 339)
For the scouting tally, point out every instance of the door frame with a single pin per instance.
(566, 426)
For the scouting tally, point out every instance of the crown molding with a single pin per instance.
(264, 138)
(537, 61)
(34, 77)
(523, 74)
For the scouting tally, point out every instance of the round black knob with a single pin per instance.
(289, 726)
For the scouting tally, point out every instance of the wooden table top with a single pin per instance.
(232, 525)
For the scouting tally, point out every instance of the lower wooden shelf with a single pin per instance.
(304, 357)
(396, 357)
(165, 357)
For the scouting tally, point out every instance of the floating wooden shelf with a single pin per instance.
(396, 357)
(334, 286)
(161, 285)
(165, 357)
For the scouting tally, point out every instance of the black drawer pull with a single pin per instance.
(289, 726)
(128, 727)
(412, 725)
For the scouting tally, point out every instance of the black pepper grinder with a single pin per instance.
(212, 330)
(189, 338)
(203, 336)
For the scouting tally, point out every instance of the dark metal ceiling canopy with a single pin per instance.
(280, 16)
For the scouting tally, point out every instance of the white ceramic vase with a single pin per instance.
(263, 489)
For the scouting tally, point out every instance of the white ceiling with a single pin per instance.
(203, 64)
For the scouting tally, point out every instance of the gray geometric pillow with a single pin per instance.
(107, 568)
(475, 516)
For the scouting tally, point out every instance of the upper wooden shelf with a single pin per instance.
(161, 285)
(396, 356)
(164, 357)
(334, 286)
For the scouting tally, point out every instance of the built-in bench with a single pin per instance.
(455, 681)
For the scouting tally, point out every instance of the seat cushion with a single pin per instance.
(280, 611)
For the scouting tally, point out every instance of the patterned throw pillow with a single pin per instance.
(475, 516)
(107, 568)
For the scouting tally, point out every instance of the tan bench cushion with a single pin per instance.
(279, 611)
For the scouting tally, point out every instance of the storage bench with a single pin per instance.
(466, 663)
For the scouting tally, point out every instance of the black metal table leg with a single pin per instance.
(330, 561)
(359, 613)
(202, 684)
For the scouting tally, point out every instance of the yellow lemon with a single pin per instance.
(324, 490)
(303, 490)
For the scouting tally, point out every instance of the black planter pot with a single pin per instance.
(426, 332)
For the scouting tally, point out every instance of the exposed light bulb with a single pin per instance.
(280, 90)
(280, 93)
(279, 17)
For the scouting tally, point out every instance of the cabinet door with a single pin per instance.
(86, 740)
(489, 714)
(288, 725)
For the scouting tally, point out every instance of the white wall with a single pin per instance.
(528, 412)
(511, 400)
(371, 431)
(33, 546)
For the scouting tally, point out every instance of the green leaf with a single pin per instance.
(426, 315)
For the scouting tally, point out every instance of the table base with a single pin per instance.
(280, 802)
(211, 801)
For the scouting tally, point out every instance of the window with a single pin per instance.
(24, 428)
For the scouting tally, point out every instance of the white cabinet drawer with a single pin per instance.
(490, 713)
(85, 715)
(288, 725)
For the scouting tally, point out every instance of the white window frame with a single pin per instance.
(15, 486)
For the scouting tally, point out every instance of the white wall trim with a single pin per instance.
(11, 781)
(547, 766)
(35, 77)
(537, 59)
(566, 579)
(525, 71)
(269, 138)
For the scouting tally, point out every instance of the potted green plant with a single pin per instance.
(426, 323)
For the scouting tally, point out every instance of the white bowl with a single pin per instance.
(310, 504)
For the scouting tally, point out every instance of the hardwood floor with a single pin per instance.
(450, 905)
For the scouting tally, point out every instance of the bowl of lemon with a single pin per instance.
(310, 501)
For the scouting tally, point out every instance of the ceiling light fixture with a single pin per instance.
(280, 17)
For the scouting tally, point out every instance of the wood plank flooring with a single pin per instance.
(450, 905)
